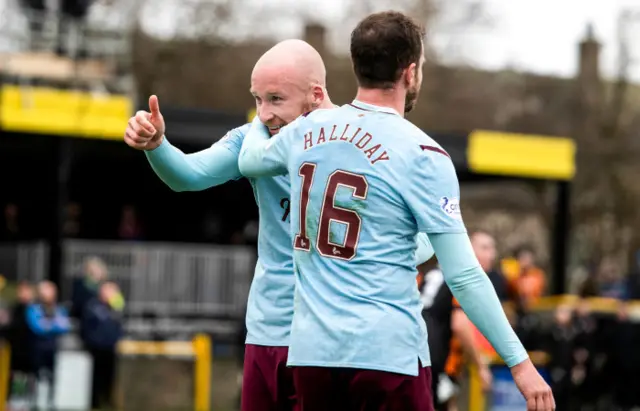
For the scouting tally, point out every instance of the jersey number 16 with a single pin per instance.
(331, 213)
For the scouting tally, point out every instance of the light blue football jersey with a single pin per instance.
(270, 304)
(364, 181)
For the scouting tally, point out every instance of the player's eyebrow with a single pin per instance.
(268, 93)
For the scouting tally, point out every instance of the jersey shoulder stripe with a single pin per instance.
(434, 149)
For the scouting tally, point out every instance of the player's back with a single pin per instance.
(356, 301)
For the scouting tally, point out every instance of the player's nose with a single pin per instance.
(265, 116)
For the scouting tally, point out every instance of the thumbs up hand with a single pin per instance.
(145, 130)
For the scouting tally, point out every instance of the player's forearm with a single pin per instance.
(424, 250)
(192, 172)
(255, 159)
(473, 290)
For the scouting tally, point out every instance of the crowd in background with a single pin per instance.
(35, 322)
(591, 356)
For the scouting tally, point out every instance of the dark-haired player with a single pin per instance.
(364, 182)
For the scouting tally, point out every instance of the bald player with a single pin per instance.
(364, 182)
(287, 81)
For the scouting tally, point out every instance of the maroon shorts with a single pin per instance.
(267, 383)
(322, 389)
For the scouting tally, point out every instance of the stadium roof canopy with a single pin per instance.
(478, 154)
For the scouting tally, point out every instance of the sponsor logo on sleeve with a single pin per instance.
(451, 207)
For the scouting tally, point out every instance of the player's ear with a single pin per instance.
(410, 74)
(317, 96)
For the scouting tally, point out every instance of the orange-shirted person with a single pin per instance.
(452, 337)
(527, 282)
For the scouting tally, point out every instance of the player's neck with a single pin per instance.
(392, 98)
(326, 103)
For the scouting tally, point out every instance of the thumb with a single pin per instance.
(154, 107)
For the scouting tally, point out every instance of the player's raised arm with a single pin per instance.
(262, 156)
(183, 172)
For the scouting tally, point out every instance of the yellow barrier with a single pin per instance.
(5, 373)
(596, 304)
(202, 394)
(199, 349)
(476, 396)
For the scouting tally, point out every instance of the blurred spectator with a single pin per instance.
(634, 285)
(130, 227)
(634, 278)
(86, 287)
(102, 328)
(19, 333)
(11, 227)
(452, 336)
(560, 350)
(46, 321)
(527, 282)
(19, 339)
(484, 246)
(611, 282)
(624, 360)
(586, 371)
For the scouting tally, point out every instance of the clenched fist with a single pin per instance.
(145, 130)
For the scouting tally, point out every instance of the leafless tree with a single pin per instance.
(606, 213)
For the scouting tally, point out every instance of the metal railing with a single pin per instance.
(24, 261)
(170, 289)
(169, 280)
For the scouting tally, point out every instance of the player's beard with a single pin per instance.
(410, 99)
(413, 90)
(307, 107)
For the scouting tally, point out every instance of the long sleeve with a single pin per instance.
(262, 156)
(42, 325)
(198, 171)
(60, 323)
(472, 288)
(36, 320)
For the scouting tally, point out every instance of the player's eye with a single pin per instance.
(276, 98)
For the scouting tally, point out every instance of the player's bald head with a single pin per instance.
(295, 60)
(287, 81)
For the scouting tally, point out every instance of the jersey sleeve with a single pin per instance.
(432, 192)
(198, 171)
(263, 156)
(472, 288)
(424, 250)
